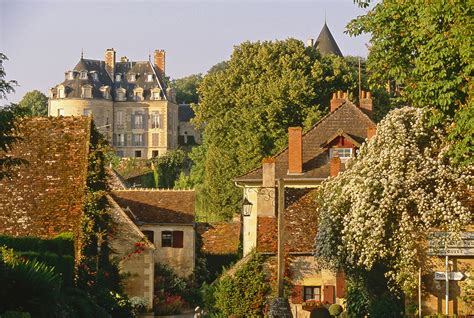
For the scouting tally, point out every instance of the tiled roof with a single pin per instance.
(326, 44)
(157, 206)
(220, 238)
(300, 223)
(347, 118)
(45, 197)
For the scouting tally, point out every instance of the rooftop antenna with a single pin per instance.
(324, 16)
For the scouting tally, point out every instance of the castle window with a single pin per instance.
(156, 94)
(83, 75)
(150, 78)
(87, 91)
(120, 140)
(138, 140)
(105, 92)
(137, 121)
(60, 111)
(95, 75)
(342, 153)
(61, 92)
(155, 120)
(119, 118)
(118, 77)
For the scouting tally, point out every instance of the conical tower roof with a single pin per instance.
(326, 43)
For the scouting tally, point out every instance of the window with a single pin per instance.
(150, 235)
(137, 122)
(138, 140)
(105, 91)
(95, 76)
(156, 94)
(87, 91)
(119, 118)
(60, 111)
(120, 140)
(343, 153)
(312, 292)
(172, 239)
(119, 153)
(118, 77)
(83, 75)
(138, 153)
(150, 78)
(138, 94)
(133, 77)
(61, 92)
(155, 140)
(155, 153)
(87, 112)
(155, 120)
(70, 75)
(121, 94)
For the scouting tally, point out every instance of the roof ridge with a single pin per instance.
(154, 190)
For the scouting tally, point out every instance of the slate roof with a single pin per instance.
(300, 223)
(346, 119)
(157, 206)
(220, 238)
(326, 44)
(185, 113)
(140, 68)
(45, 197)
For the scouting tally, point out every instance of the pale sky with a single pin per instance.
(43, 39)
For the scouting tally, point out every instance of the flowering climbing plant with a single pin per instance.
(381, 209)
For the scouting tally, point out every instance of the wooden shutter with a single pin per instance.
(328, 293)
(340, 285)
(178, 239)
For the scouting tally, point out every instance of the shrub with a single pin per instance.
(335, 310)
(139, 305)
(15, 314)
(320, 312)
(168, 305)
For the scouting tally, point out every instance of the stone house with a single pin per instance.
(129, 101)
(166, 218)
(309, 159)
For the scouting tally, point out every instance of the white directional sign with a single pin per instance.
(451, 276)
(440, 245)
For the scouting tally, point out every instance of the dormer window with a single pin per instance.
(61, 92)
(87, 91)
(121, 94)
(70, 75)
(133, 77)
(105, 92)
(138, 94)
(118, 77)
(83, 75)
(149, 78)
(95, 75)
(342, 153)
(156, 94)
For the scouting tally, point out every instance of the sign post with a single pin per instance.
(447, 285)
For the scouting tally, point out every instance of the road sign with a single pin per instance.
(451, 276)
(441, 244)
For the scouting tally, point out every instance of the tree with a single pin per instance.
(8, 129)
(248, 104)
(186, 89)
(376, 215)
(166, 168)
(428, 51)
(35, 103)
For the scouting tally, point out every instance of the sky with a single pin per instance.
(43, 39)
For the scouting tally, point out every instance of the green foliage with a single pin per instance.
(247, 106)
(357, 298)
(427, 51)
(15, 314)
(62, 244)
(320, 312)
(243, 294)
(168, 167)
(35, 103)
(186, 89)
(335, 310)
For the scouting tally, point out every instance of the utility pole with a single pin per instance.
(281, 241)
(419, 292)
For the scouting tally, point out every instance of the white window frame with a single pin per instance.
(120, 140)
(138, 121)
(60, 111)
(137, 140)
(155, 120)
(342, 153)
(83, 75)
(118, 77)
(149, 78)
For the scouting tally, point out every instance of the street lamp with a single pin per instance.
(247, 207)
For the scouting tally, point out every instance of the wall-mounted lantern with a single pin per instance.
(247, 207)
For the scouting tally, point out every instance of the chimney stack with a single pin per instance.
(365, 102)
(295, 150)
(159, 59)
(310, 42)
(371, 132)
(338, 98)
(109, 59)
(266, 197)
(334, 166)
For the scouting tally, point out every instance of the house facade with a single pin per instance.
(166, 218)
(309, 159)
(128, 100)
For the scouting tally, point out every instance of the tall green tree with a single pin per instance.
(186, 89)
(35, 103)
(246, 107)
(427, 49)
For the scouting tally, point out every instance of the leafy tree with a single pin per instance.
(247, 106)
(428, 51)
(381, 209)
(166, 168)
(186, 89)
(35, 103)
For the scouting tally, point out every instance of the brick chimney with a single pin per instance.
(109, 59)
(338, 98)
(159, 59)
(266, 196)
(295, 150)
(334, 166)
(365, 102)
(371, 132)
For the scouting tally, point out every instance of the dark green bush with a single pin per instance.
(62, 264)
(15, 314)
(335, 310)
(63, 244)
(320, 312)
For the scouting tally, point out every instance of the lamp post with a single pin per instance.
(247, 207)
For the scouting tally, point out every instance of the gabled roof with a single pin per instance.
(157, 206)
(348, 117)
(45, 197)
(326, 44)
(341, 133)
(220, 238)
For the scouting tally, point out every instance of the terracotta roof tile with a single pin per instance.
(220, 238)
(157, 206)
(45, 197)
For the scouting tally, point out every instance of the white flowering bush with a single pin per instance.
(381, 209)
